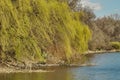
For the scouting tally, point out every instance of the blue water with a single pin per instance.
(107, 67)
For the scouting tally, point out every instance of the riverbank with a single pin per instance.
(42, 68)
(101, 51)
(11, 70)
(50, 67)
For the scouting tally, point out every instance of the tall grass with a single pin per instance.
(29, 28)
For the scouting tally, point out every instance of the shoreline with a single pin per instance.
(101, 52)
(44, 67)
(10, 70)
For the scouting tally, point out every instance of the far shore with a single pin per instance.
(101, 51)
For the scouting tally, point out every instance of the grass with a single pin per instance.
(30, 29)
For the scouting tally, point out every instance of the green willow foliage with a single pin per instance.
(29, 28)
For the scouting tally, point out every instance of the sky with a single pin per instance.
(103, 7)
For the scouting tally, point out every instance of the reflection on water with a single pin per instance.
(58, 75)
(107, 68)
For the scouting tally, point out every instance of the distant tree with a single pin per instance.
(73, 3)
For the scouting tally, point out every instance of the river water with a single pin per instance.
(107, 67)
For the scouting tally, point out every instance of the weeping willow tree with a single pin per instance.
(29, 29)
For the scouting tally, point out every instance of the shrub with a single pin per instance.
(115, 45)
